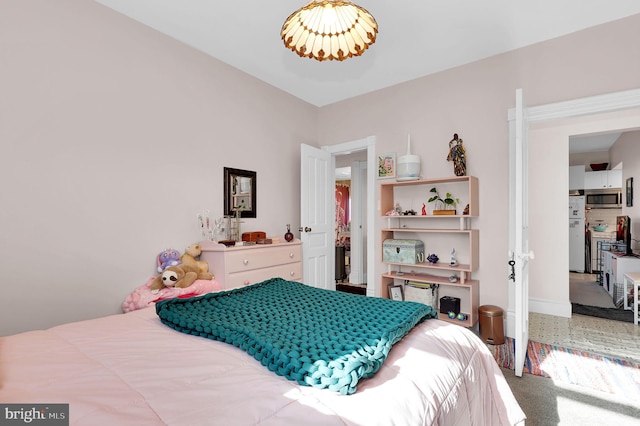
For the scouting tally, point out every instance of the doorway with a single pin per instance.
(361, 154)
(587, 151)
(350, 192)
(550, 272)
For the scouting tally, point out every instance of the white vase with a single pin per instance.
(408, 167)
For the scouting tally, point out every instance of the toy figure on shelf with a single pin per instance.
(424, 209)
(458, 156)
(454, 261)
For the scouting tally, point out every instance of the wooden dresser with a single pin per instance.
(243, 265)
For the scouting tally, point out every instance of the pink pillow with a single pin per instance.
(142, 297)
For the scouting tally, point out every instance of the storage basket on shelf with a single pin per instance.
(425, 293)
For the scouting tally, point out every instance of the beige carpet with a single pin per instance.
(583, 289)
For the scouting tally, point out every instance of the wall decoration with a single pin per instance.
(240, 192)
(387, 166)
(342, 213)
(630, 192)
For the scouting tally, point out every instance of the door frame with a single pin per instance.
(368, 144)
(599, 104)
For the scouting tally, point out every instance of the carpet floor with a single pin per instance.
(605, 374)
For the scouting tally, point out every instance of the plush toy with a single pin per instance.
(190, 257)
(180, 276)
(143, 297)
(168, 257)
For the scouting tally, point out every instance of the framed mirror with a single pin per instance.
(239, 192)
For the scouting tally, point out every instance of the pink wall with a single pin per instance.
(472, 101)
(113, 137)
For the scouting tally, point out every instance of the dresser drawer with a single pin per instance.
(246, 260)
(291, 272)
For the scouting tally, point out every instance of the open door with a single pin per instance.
(316, 216)
(519, 230)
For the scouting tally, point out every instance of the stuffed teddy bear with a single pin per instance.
(180, 276)
(168, 257)
(190, 256)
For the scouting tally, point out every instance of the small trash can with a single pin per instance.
(491, 320)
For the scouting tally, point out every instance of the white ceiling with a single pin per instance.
(592, 143)
(416, 37)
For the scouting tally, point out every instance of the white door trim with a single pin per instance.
(598, 104)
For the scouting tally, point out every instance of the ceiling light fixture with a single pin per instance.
(329, 29)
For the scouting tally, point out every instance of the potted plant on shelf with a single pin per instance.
(444, 206)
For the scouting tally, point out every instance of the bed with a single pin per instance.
(134, 369)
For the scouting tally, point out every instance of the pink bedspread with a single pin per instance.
(142, 297)
(132, 370)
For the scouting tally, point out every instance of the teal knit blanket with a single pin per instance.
(320, 338)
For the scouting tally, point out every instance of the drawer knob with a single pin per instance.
(247, 282)
(292, 273)
(291, 255)
(246, 261)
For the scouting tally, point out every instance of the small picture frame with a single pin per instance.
(629, 192)
(395, 292)
(387, 166)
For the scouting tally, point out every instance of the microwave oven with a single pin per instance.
(603, 199)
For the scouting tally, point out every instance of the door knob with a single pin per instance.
(306, 229)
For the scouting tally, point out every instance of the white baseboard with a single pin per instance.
(539, 306)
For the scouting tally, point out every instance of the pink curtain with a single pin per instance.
(342, 211)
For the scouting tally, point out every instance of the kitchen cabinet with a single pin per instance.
(603, 179)
(576, 177)
(440, 234)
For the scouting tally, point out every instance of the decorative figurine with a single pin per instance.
(424, 209)
(458, 156)
(433, 258)
(288, 236)
(454, 261)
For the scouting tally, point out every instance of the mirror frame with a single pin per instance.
(229, 176)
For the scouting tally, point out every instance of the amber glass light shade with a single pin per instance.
(329, 30)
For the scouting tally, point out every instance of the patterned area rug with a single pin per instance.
(605, 374)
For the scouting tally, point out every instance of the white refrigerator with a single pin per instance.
(577, 246)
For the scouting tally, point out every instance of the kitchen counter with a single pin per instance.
(616, 264)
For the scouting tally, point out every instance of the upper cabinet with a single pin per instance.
(576, 177)
(602, 179)
(614, 178)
